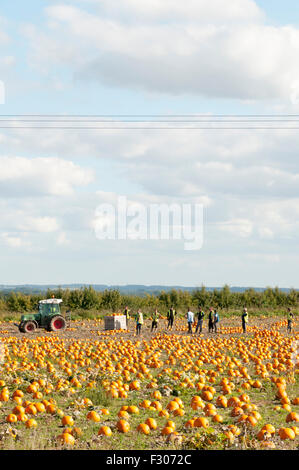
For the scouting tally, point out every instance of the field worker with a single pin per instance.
(211, 321)
(290, 320)
(155, 320)
(244, 320)
(139, 322)
(215, 320)
(170, 317)
(200, 317)
(127, 315)
(190, 320)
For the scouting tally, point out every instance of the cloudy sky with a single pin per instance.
(163, 57)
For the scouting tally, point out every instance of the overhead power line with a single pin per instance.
(150, 121)
(204, 115)
(146, 128)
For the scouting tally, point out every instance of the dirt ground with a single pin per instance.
(91, 329)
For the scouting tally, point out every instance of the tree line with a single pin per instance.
(88, 299)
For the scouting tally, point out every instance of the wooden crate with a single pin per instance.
(115, 322)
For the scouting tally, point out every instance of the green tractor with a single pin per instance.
(49, 317)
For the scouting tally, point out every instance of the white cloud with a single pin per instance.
(40, 176)
(13, 241)
(238, 227)
(237, 176)
(4, 38)
(209, 49)
(62, 239)
(39, 224)
(169, 10)
(265, 258)
(266, 233)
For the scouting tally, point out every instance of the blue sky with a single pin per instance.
(103, 57)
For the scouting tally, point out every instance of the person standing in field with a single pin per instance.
(215, 321)
(290, 320)
(244, 320)
(127, 315)
(200, 317)
(211, 321)
(139, 321)
(190, 320)
(170, 317)
(155, 320)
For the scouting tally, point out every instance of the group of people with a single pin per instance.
(213, 320)
(139, 320)
(171, 314)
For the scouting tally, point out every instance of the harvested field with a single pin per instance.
(86, 388)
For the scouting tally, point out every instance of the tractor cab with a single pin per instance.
(49, 307)
(48, 316)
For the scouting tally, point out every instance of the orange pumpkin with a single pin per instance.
(286, 433)
(143, 428)
(123, 426)
(105, 431)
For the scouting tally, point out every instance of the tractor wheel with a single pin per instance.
(21, 328)
(29, 326)
(57, 323)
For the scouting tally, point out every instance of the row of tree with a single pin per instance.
(88, 298)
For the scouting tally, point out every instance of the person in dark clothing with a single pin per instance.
(211, 321)
(155, 320)
(290, 320)
(244, 320)
(200, 317)
(170, 317)
(127, 315)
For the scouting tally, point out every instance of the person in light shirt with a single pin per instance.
(216, 321)
(139, 321)
(190, 320)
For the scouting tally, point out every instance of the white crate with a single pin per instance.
(115, 322)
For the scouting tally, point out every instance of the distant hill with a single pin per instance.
(133, 289)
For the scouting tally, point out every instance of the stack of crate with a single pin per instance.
(115, 322)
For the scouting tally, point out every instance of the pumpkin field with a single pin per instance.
(87, 388)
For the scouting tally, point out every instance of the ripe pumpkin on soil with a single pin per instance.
(172, 406)
(11, 418)
(269, 428)
(167, 430)
(293, 416)
(218, 418)
(67, 421)
(133, 409)
(286, 433)
(94, 416)
(66, 438)
(201, 423)
(105, 431)
(152, 423)
(22, 417)
(143, 428)
(31, 423)
(123, 426)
